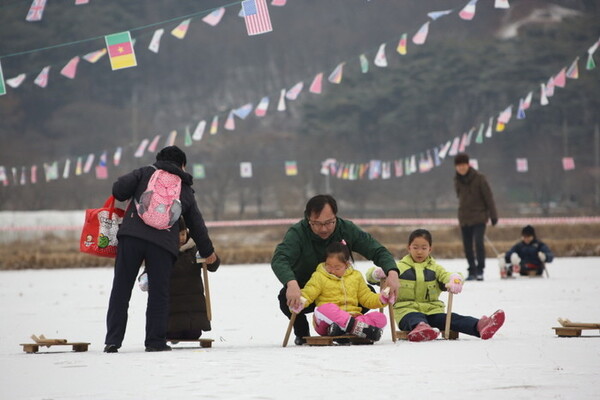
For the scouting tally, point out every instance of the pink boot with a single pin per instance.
(488, 326)
(422, 333)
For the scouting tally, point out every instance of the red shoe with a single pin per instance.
(423, 333)
(488, 326)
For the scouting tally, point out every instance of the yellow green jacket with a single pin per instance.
(420, 287)
(348, 292)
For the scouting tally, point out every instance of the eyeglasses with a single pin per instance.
(318, 224)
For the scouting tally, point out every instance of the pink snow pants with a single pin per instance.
(328, 313)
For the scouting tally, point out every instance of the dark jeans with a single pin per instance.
(131, 252)
(458, 323)
(474, 234)
(301, 326)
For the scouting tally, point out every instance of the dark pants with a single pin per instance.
(131, 252)
(458, 323)
(474, 234)
(301, 326)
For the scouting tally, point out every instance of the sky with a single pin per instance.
(247, 361)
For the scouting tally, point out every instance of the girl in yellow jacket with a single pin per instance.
(339, 291)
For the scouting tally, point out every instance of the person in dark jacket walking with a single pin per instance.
(303, 248)
(139, 243)
(475, 206)
(528, 257)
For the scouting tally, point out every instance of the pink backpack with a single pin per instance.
(159, 206)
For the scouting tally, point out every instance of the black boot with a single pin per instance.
(364, 330)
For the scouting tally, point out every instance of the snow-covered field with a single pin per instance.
(524, 360)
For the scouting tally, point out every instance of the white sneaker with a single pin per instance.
(143, 282)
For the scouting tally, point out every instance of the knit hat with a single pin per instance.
(461, 158)
(528, 231)
(173, 154)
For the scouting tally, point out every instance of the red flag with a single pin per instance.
(256, 16)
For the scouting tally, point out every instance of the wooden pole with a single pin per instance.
(448, 316)
(207, 291)
(289, 329)
(392, 321)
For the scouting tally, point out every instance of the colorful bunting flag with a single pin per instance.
(23, 176)
(94, 55)
(42, 79)
(214, 17)
(521, 110)
(120, 50)
(364, 64)
(434, 15)
(88, 163)
(171, 138)
(180, 30)
(79, 166)
(454, 148)
(187, 141)
(568, 163)
(101, 168)
(16, 81)
(243, 111)
(199, 131)
(488, 132)
(198, 171)
(79, 2)
(246, 169)
(573, 71)
(70, 70)
(473, 162)
(421, 36)
(501, 4)
(67, 168)
(317, 84)
(278, 3)
(550, 87)
(398, 170)
(479, 138)
(154, 144)
(444, 149)
(33, 177)
(261, 108)
(522, 165)
(36, 11)
(560, 80)
(256, 17)
(527, 101)
(117, 156)
(3, 176)
(468, 12)
(291, 168)
(401, 48)
(543, 98)
(154, 45)
(293, 93)
(281, 103)
(214, 125)
(141, 148)
(590, 65)
(2, 86)
(229, 122)
(380, 59)
(337, 73)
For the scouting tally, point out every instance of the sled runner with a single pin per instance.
(573, 329)
(201, 342)
(43, 341)
(329, 340)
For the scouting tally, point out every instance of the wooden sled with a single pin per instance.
(43, 341)
(403, 335)
(329, 340)
(573, 329)
(202, 342)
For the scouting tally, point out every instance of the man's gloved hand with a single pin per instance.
(542, 256)
(494, 221)
(215, 265)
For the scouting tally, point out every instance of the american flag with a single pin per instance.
(256, 16)
(36, 10)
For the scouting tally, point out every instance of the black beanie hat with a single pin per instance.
(461, 158)
(528, 231)
(173, 154)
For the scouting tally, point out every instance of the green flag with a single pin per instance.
(2, 86)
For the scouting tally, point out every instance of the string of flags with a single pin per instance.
(383, 169)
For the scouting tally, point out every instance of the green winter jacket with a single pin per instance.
(420, 287)
(301, 250)
(348, 292)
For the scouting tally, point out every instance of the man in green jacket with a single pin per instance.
(475, 206)
(303, 248)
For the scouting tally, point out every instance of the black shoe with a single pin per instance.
(161, 348)
(299, 341)
(335, 330)
(480, 277)
(111, 348)
(367, 331)
(471, 278)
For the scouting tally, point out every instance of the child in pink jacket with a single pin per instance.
(339, 291)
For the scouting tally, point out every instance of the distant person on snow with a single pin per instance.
(303, 248)
(418, 307)
(475, 206)
(528, 256)
(157, 248)
(339, 292)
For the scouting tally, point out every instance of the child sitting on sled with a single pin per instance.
(418, 307)
(338, 291)
(187, 305)
(527, 257)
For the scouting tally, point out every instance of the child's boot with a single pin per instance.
(423, 332)
(364, 330)
(488, 326)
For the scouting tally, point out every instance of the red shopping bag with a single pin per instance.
(99, 234)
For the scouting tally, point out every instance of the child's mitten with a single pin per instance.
(455, 284)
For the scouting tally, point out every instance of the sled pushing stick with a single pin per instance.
(206, 286)
(491, 245)
(448, 316)
(289, 329)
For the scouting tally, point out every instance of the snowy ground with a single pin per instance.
(524, 360)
